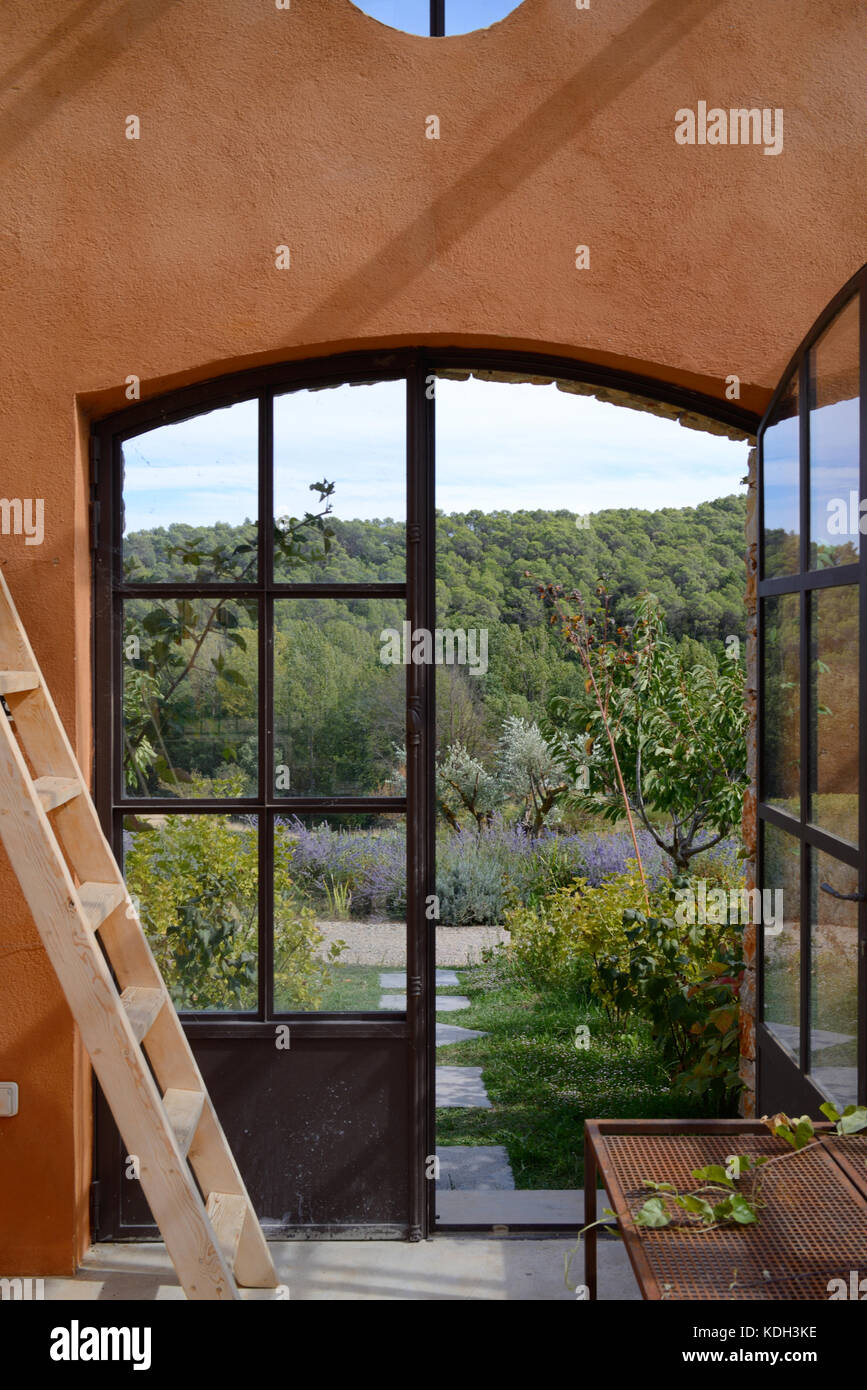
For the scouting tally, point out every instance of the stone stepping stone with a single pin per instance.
(451, 1033)
(841, 1083)
(474, 1168)
(790, 1036)
(481, 1206)
(396, 979)
(445, 1003)
(461, 1087)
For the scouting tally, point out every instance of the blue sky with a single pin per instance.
(499, 447)
(414, 15)
(834, 433)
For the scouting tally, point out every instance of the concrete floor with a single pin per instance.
(447, 1267)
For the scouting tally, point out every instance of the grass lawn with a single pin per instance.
(541, 1087)
(355, 988)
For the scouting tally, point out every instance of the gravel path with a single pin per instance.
(384, 943)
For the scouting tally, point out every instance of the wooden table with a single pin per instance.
(812, 1228)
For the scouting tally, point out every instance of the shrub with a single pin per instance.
(196, 878)
(470, 887)
(560, 941)
(365, 868)
(480, 874)
(685, 980)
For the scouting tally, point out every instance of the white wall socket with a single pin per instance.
(8, 1098)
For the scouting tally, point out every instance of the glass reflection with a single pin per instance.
(834, 711)
(781, 763)
(834, 981)
(782, 945)
(834, 443)
(780, 462)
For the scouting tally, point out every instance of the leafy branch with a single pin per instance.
(176, 640)
(715, 1181)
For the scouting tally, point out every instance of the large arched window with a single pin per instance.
(262, 543)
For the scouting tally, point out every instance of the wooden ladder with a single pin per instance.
(76, 893)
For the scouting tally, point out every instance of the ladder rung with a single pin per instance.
(99, 901)
(55, 791)
(184, 1109)
(12, 681)
(142, 1006)
(227, 1212)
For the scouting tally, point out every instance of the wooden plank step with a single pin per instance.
(99, 901)
(142, 1007)
(12, 681)
(56, 791)
(184, 1109)
(227, 1213)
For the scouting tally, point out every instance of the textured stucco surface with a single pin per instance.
(305, 127)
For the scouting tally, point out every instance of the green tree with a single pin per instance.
(667, 734)
(529, 771)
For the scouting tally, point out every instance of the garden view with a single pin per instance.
(598, 762)
(589, 777)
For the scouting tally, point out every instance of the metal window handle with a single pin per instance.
(846, 897)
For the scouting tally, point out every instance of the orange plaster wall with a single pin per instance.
(306, 127)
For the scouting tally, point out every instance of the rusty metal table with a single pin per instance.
(812, 1228)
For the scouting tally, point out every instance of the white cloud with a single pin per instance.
(499, 447)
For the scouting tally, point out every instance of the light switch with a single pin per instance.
(8, 1098)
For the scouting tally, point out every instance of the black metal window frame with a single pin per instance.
(805, 583)
(417, 368)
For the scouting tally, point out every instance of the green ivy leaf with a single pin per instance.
(697, 1206)
(712, 1173)
(741, 1210)
(853, 1119)
(652, 1214)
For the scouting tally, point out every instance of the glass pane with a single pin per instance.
(834, 711)
(352, 438)
(339, 708)
(195, 880)
(782, 703)
(780, 455)
(186, 488)
(339, 913)
(834, 443)
(190, 691)
(782, 946)
(834, 976)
